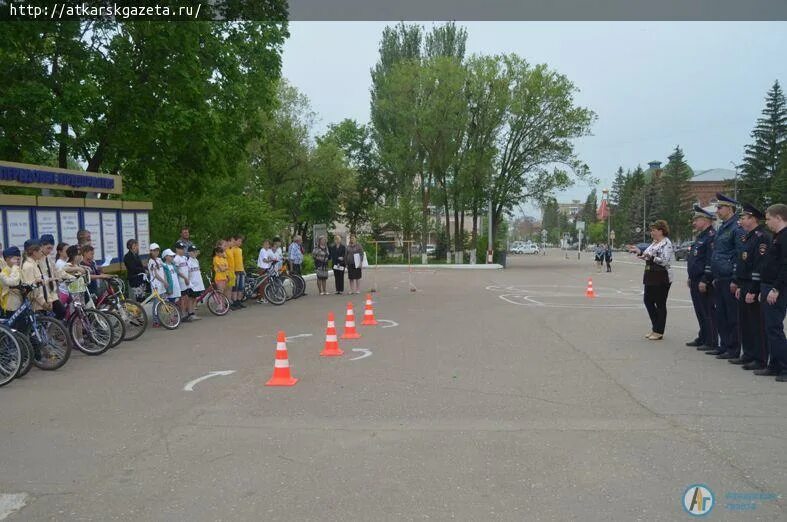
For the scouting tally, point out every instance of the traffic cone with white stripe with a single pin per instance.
(589, 292)
(368, 313)
(281, 366)
(349, 324)
(331, 343)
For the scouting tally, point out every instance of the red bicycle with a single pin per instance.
(217, 302)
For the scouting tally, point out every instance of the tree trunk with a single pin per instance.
(462, 227)
(447, 225)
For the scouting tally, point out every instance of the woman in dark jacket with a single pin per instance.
(135, 269)
(338, 252)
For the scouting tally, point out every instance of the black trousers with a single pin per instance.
(773, 317)
(727, 317)
(296, 268)
(703, 309)
(656, 304)
(338, 276)
(752, 331)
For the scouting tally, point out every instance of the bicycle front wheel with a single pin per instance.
(136, 319)
(91, 331)
(167, 314)
(300, 285)
(51, 344)
(274, 293)
(26, 347)
(10, 356)
(218, 304)
(117, 327)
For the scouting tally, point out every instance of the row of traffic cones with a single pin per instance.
(281, 367)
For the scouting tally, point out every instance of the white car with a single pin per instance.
(530, 248)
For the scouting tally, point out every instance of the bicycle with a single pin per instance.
(164, 312)
(271, 284)
(89, 328)
(10, 356)
(217, 302)
(133, 315)
(48, 341)
(297, 281)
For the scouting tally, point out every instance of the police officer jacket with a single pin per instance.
(774, 266)
(750, 260)
(726, 249)
(698, 262)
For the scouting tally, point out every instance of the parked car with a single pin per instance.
(530, 248)
(682, 250)
(430, 250)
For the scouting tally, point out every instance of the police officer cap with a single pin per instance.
(721, 199)
(47, 239)
(32, 243)
(700, 212)
(11, 252)
(753, 211)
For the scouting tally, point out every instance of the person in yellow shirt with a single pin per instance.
(229, 245)
(31, 274)
(10, 277)
(221, 269)
(239, 271)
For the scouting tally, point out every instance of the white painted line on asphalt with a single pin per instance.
(190, 385)
(11, 502)
(291, 337)
(366, 353)
(393, 323)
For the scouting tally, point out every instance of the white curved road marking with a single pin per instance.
(9, 503)
(366, 353)
(393, 323)
(190, 385)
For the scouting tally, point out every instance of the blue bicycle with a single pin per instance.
(48, 337)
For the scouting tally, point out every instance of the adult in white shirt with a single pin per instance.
(658, 276)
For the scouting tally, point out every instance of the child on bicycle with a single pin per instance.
(196, 284)
(73, 268)
(158, 279)
(31, 274)
(10, 277)
(221, 269)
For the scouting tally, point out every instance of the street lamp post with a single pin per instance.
(735, 196)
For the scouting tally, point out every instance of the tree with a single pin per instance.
(535, 142)
(764, 176)
(589, 209)
(675, 195)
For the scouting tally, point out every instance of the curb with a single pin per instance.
(493, 266)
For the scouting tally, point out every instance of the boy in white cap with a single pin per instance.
(196, 284)
(171, 273)
(182, 266)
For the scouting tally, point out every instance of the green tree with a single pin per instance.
(675, 195)
(764, 177)
(589, 209)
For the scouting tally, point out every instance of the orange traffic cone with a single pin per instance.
(349, 324)
(368, 313)
(589, 292)
(281, 366)
(331, 344)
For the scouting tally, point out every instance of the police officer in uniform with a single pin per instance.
(773, 292)
(698, 265)
(726, 248)
(746, 286)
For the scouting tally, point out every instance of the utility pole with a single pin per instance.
(490, 247)
(644, 214)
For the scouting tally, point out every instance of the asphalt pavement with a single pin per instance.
(485, 395)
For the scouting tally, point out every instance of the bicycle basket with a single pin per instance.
(77, 287)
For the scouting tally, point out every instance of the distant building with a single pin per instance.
(570, 210)
(706, 183)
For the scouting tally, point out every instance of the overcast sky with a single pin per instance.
(699, 85)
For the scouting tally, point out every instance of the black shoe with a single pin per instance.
(767, 372)
(715, 351)
(705, 348)
(740, 360)
(754, 365)
(240, 305)
(782, 377)
(695, 342)
(727, 355)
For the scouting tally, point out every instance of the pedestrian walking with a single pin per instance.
(700, 280)
(599, 257)
(608, 257)
(355, 256)
(338, 253)
(773, 292)
(657, 278)
(746, 287)
(321, 258)
(726, 248)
